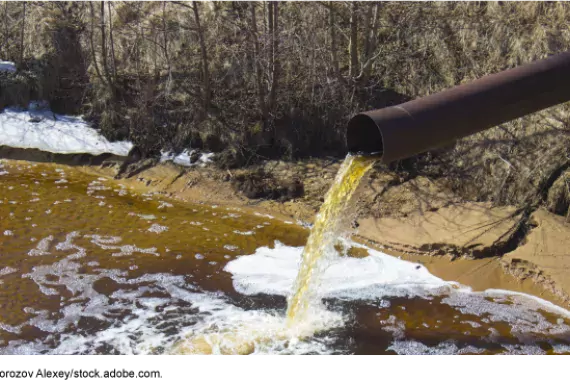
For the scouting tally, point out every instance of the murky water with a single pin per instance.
(90, 266)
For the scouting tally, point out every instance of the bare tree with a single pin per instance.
(332, 28)
(112, 41)
(274, 32)
(370, 36)
(257, 62)
(353, 44)
(206, 91)
(92, 43)
(104, 46)
(22, 32)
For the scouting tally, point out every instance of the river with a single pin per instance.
(89, 265)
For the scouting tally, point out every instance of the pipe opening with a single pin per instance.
(363, 137)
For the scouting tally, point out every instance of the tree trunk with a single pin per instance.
(104, 48)
(5, 44)
(353, 45)
(370, 39)
(274, 29)
(22, 33)
(113, 59)
(265, 16)
(165, 49)
(334, 52)
(92, 43)
(257, 63)
(366, 31)
(205, 64)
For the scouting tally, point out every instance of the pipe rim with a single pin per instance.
(364, 137)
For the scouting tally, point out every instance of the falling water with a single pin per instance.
(320, 245)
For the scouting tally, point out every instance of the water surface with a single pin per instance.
(88, 265)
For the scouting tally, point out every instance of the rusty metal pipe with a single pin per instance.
(433, 121)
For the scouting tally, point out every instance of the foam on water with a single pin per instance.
(273, 271)
(163, 313)
(380, 276)
(137, 323)
(7, 270)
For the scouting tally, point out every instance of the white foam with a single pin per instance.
(163, 204)
(8, 66)
(111, 243)
(54, 133)
(157, 228)
(146, 323)
(264, 215)
(68, 245)
(7, 270)
(183, 158)
(273, 271)
(377, 276)
(42, 248)
(244, 232)
(411, 347)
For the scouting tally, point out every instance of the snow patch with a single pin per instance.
(8, 66)
(183, 159)
(41, 129)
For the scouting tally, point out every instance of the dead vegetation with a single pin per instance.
(279, 80)
(263, 185)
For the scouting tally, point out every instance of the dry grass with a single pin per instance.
(420, 48)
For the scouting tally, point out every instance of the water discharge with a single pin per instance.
(324, 235)
(304, 303)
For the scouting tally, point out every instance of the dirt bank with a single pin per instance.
(545, 255)
(471, 243)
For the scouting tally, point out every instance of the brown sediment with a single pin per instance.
(468, 229)
(545, 256)
(479, 274)
(203, 186)
(72, 159)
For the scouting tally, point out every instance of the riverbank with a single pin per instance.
(471, 243)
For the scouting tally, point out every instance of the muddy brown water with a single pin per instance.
(88, 265)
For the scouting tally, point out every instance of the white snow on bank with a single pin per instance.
(7, 66)
(183, 159)
(54, 133)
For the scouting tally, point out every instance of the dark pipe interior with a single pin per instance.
(363, 137)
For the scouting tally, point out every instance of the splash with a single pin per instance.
(305, 314)
(320, 245)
